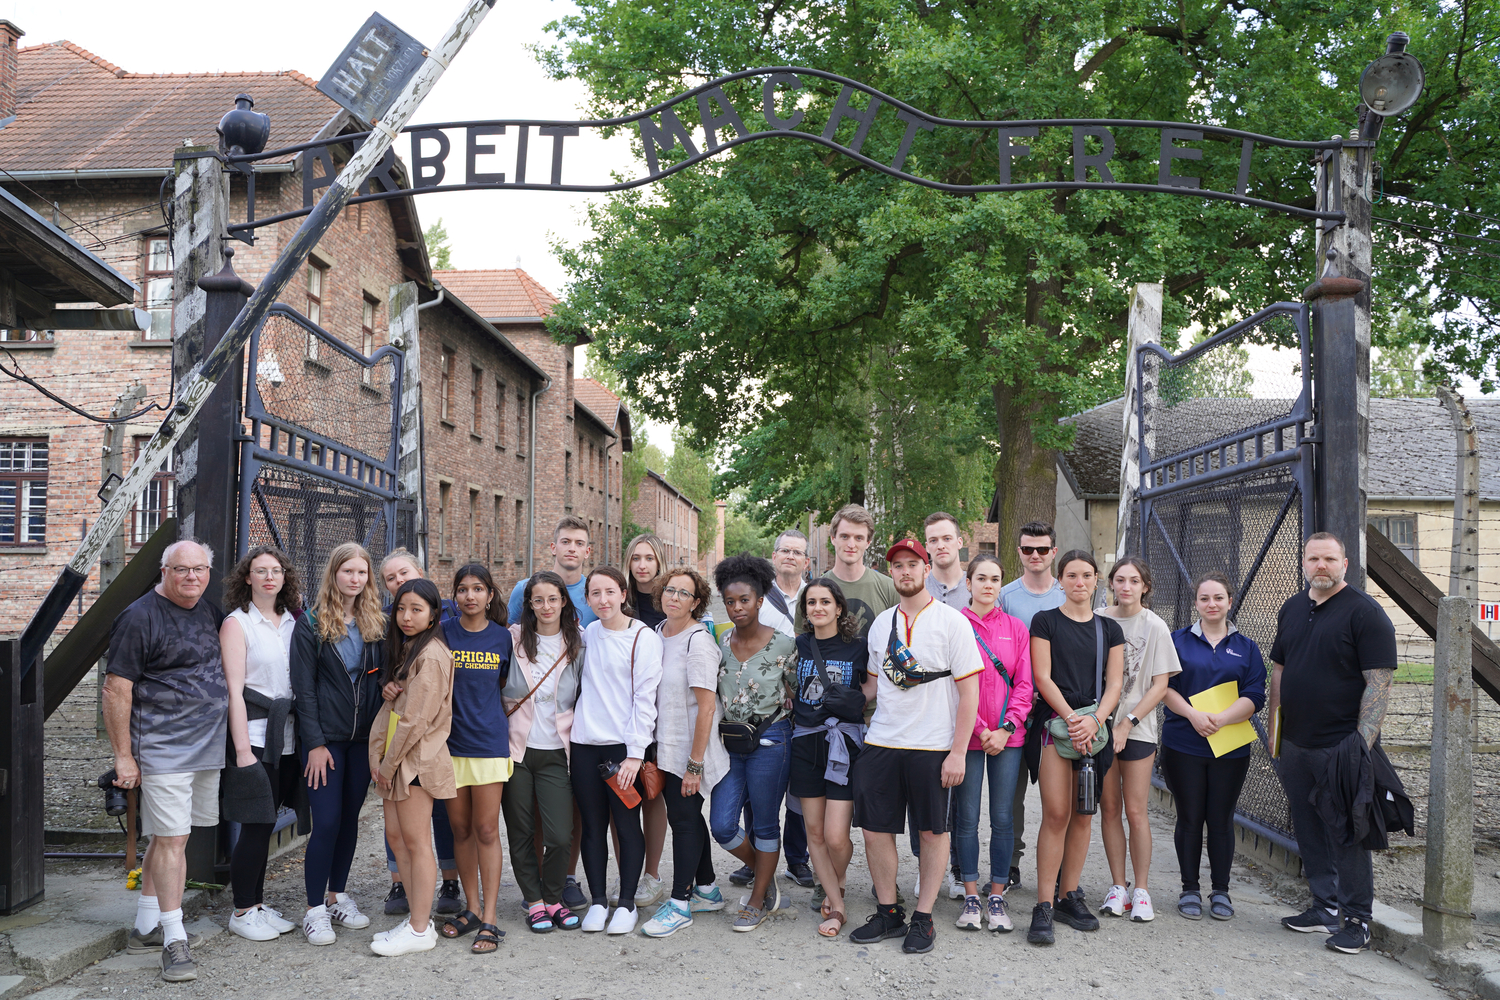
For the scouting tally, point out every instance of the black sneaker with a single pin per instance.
(449, 898)
(1313, 920)
(883, 923)
(396, 901)
(920, 936)
(801, 873)
(573, 897)
(1041, 924)
(1015, 878)
(1353, 938)
(177, 965)
(743, 876)
(1072, 911)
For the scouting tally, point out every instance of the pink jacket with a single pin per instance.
(1009, 640)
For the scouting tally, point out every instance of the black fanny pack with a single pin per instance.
(744, 737)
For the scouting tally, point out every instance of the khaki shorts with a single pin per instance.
(172, 804)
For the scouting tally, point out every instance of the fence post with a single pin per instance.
(1144, 327)
(405, 325)
(113, 559)
(1448, 892)
(22, 861)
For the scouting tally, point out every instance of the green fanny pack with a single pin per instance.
(1058, 726)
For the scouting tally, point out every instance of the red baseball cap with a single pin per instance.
(910, 545)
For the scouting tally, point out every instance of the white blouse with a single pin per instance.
(268, 666)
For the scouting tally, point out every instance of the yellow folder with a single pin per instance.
(1215, 700)
(390, 731)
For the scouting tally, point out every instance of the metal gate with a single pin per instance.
(318, 467)
(1228, 459)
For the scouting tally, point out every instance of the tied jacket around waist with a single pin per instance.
(419, 745)
(332, 707)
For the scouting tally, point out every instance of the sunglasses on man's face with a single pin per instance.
(1035, 550)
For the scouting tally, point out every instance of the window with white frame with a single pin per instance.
(317, 281)
(157, 501)
(23, 491)
(158, 288)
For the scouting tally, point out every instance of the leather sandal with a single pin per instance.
(460, 924)
(838, 916)
(487, 940)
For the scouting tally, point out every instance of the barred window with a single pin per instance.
(157, 501)
(1402, 532)
(23, 491)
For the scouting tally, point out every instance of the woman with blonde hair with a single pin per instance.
(645, 562)
(335, 667)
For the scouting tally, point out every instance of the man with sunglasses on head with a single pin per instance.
(1036, 589)
(927, 694)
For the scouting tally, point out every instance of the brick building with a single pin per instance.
(662, 509)
(598, 498)
(487, 361)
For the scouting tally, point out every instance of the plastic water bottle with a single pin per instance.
(1087, 791)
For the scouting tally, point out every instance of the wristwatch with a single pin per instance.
(1008, 725)
(1133, 720)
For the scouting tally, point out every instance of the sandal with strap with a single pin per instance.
(487, 940)
(460, 924)
(836, 916)
(539, 921)
(1219, 905)
(1190, 905)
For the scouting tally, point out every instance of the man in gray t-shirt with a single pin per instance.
(166, 707)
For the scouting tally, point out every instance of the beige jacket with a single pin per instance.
(419, 747)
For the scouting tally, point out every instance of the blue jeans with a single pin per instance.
(1002, 769)
(759, 778)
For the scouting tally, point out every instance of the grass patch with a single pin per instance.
(1413, 673)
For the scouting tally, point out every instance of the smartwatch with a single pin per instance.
(1133, 720)
(1008, 726)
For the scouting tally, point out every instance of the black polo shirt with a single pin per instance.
(1324, 650)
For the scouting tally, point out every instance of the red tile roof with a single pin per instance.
(506, 293)
(598, 400)
(78, 111)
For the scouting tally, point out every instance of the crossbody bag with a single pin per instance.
(1058, 726)
(845, 703)
(1010, 685)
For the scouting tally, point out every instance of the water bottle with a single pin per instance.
(1087, 802)
(607, 770)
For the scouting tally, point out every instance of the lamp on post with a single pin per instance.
(1390, 84)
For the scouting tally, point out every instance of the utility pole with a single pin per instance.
(113, 559)
(1144, 326)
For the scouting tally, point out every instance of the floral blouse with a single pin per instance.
(761, 685)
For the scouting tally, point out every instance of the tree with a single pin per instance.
(767, 298)
(438, 251)
(741, 534)
(690, 472)
(1397, 373)
(633, 466)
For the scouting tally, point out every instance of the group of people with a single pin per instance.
(595, 710)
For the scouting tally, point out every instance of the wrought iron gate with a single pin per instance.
(318, 467)
(1228, 464)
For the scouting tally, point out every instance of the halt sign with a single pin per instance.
(1489, 612)
(373, 68)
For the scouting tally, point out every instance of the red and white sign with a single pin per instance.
(1489, 612)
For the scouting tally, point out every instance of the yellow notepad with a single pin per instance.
(390, 732)
(1215, 700)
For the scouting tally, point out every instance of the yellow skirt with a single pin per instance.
(481, 770)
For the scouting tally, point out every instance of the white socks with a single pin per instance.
(147, 914)
(171, 926)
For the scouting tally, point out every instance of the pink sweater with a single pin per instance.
(1009, 640)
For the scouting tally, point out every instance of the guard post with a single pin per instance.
(22, 862)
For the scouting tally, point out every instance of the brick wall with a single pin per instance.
(592, 448)
(672, 518)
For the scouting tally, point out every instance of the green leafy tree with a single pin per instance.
(768, 298)
(438, 251)
(690, 472)
(743, 534)
(1398, 372)
(633, 465)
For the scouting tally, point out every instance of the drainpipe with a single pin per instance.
(422, 428)
(607, 446)
(531, 481)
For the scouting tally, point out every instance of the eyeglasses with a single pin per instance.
(1034, 550)
(546, 602)
(189, 570)
(686, 595)
(784, 551)
(264, 573)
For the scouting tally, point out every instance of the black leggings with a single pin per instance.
(596, 805)
(247, 864)
(1205, 790)
(692, 854)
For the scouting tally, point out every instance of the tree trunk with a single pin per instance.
(1025, 475)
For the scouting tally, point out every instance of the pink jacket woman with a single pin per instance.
(1007, 639)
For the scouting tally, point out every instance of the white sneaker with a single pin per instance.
(971, 917)
(916, 890)
(251, 925)
(1140, 906)
(650, 890)
(997, 918)
(404, 940)
(318, 927)
(382, 935)
(344, 913)
(595, 919)
(1116, 902)
(955, 885)
(275, 920)
(623, 921)
(670, 918)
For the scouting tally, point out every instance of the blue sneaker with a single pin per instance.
(702, 901)
(671, 917)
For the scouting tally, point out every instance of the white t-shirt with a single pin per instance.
(780, 622)
(544, 735)
(267, 668)
(923, 717)
(1149, 651)
(689, 659)
(609, 710)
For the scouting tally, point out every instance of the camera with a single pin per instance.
(114, 798)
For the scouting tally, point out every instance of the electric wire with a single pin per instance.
(21, 376)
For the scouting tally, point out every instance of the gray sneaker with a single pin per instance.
(750, 917)
(177, 965)
(149, 944)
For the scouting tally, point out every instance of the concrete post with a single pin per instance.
(113, 559)
(1448, 893)
(406, 333)
(1144, 327)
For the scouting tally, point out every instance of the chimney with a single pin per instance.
(9, 35)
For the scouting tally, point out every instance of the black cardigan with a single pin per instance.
(330, 706)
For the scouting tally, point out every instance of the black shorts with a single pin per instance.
(1136, 750)
(889, 781)
(810, 761)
